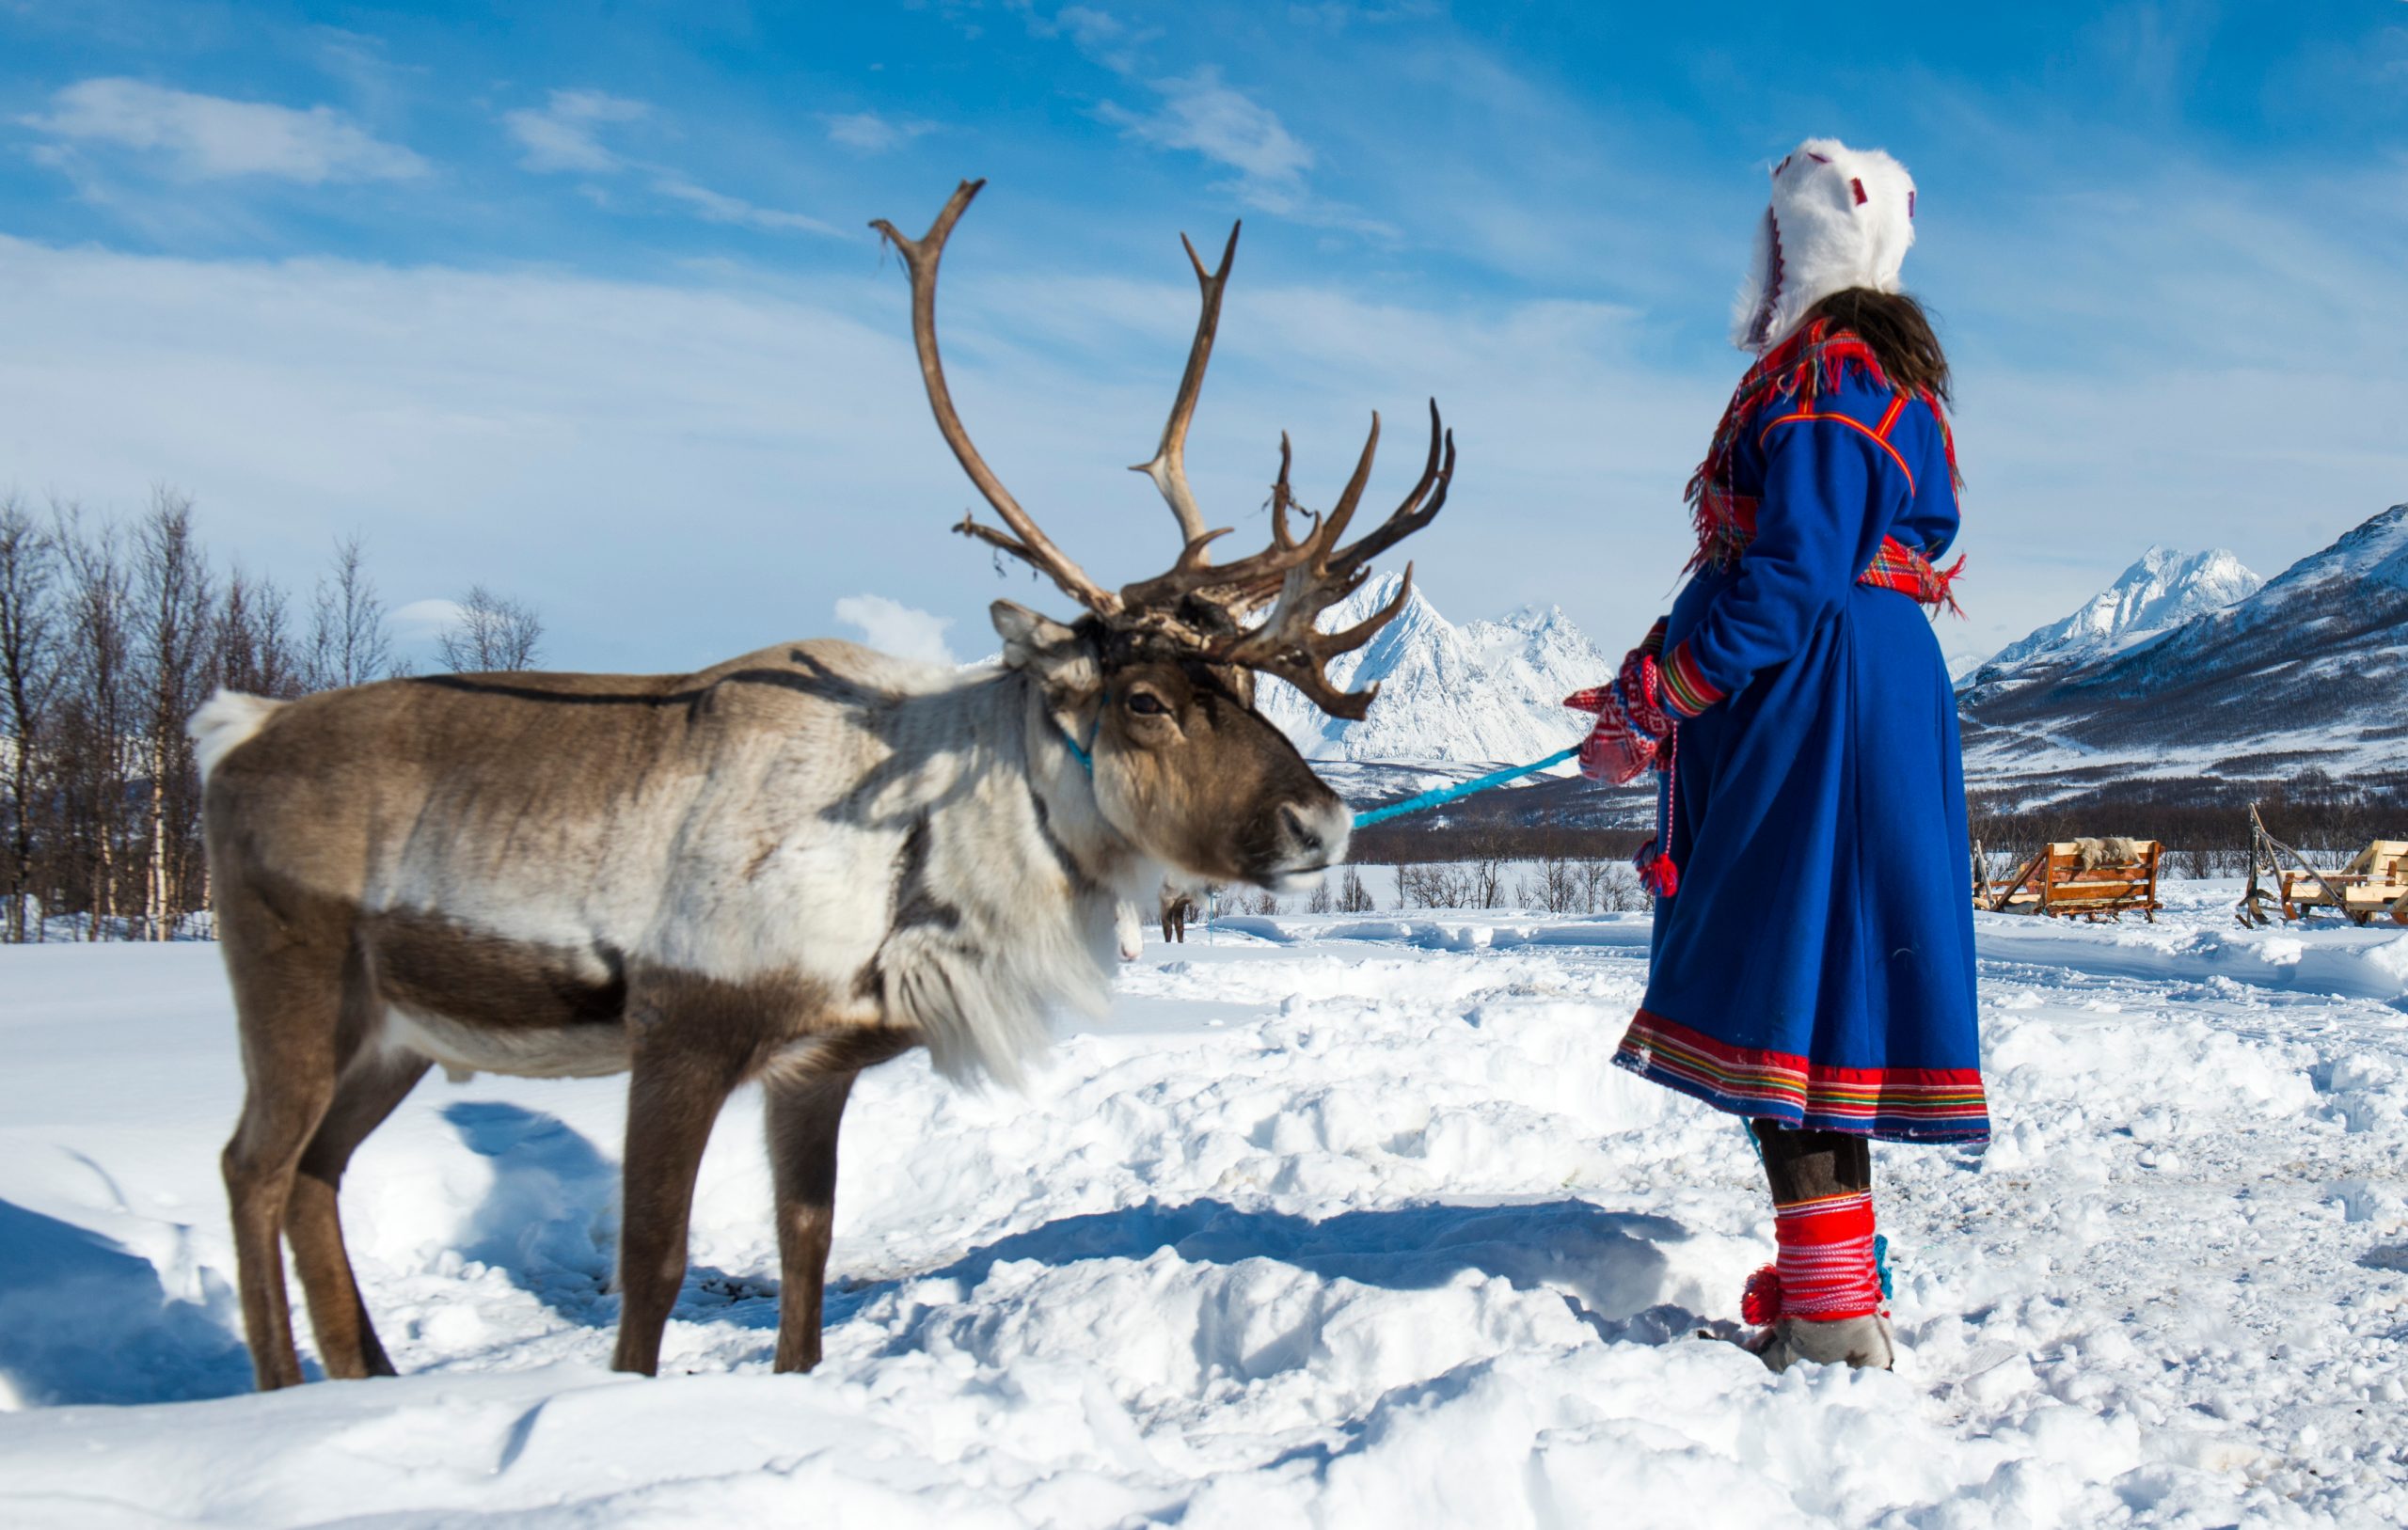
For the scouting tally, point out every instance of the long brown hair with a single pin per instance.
(1899, 332)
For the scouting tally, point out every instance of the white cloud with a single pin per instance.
(670, 473)
(211, 137)
(1098, 35)
(1336, 16)
(1101, 36)
(423, 618)
(1198, 112)
(565, 134)
(565, 137)
(893, 627)
(717, 207)
(872, 133)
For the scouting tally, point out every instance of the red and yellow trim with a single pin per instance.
(1879, 437)
(1686, 691)
(1899, 1104)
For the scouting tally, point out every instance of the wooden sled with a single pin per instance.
(2374, 882)
(2062, 882)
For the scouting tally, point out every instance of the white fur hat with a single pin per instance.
(1840, 217)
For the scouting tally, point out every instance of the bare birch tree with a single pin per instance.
(98, 715)
(348, 642)
(173, 608)
(492, 634)
(30, 679)
(252, 640)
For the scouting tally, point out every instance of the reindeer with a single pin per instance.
(784, 869)
(1178, 902)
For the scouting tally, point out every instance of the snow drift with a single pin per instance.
(1348, 1223)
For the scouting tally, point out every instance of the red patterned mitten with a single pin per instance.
(1620, 748)
(1642, 685)
(1632, 724)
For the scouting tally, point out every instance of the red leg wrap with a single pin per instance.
(1826, 1267)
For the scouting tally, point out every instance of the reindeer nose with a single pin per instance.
(1307, 837)
(1312, 838)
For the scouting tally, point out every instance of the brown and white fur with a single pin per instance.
(786, 869)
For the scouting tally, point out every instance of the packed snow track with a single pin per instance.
(1336, 1222)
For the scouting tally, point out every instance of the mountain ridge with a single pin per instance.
(2156, 593)
(2308, 673)
(1485, 693)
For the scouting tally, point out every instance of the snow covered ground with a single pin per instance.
(1337, 1223)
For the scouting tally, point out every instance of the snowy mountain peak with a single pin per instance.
(2375, 549)
(1486, 692)
(2162, 590)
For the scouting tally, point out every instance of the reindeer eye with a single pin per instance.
(1145, 703)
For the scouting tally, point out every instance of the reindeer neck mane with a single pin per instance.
(1003, 888)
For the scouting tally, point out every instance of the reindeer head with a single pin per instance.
(1159, 673)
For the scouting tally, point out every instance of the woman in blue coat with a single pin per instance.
(1813, 964)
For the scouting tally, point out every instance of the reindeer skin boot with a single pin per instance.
(1863, 1343)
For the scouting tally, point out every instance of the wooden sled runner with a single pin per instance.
(2374, 882)
(2092, 878)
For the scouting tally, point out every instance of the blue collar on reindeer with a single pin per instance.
(1084, 753)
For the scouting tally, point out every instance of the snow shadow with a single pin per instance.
(549, 1224)
(549, 1219)
(1609, 1265)
(83, 1319)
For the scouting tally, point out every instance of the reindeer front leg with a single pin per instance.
(803, 1115)
(673, 1099)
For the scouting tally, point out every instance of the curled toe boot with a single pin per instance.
(1858, 1342)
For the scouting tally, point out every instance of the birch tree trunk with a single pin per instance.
(155, 912)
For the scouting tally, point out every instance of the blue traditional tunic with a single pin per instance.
(1815, 965)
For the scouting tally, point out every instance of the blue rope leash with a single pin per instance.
(1465, 788)
(1394, 810)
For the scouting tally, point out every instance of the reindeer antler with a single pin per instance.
(1298, 579)
(1026, 539)
(1197, 607)
(1316, 574)
(1168, 468)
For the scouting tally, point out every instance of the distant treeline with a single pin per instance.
(1436, 837)
(112, 631)
(2204, 824)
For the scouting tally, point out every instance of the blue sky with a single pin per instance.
(579, 302)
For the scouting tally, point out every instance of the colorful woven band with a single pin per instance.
(1826, 1260)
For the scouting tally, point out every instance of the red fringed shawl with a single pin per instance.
(1801, 367)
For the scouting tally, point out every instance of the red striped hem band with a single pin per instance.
(1895, 1104)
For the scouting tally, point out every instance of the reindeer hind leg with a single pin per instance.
(288, 1001)
(372, 1085)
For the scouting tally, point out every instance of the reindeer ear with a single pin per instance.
(1026, 633)
(1044, 647)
